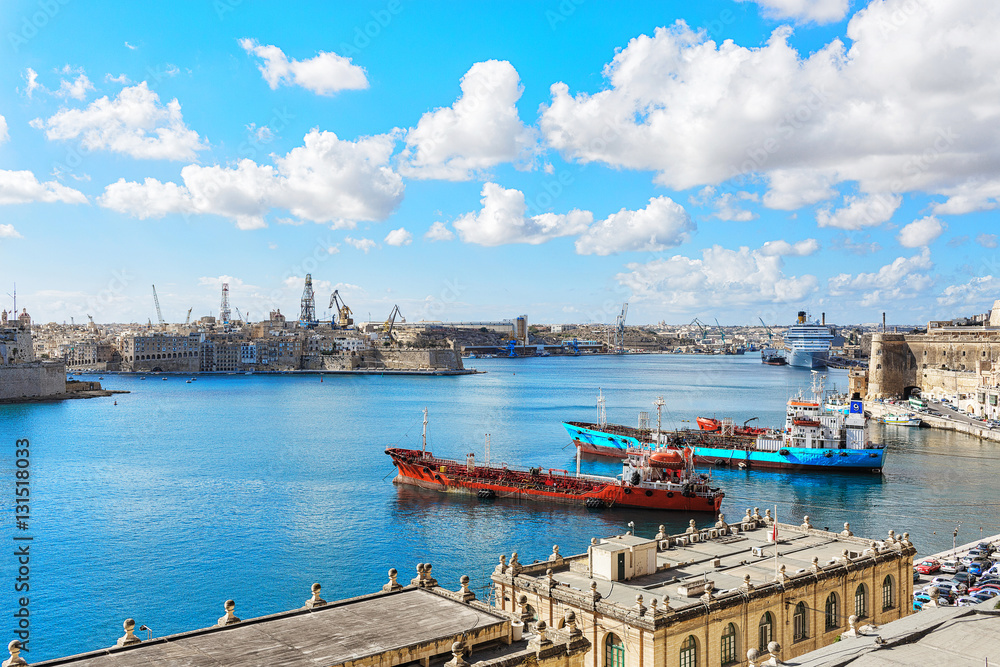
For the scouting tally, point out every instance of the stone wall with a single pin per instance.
(32, 380)
(393, 359)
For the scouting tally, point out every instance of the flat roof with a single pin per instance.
(695, 562)
(329, 635)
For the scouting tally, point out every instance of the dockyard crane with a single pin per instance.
(701, 325)
(619, 343)
(159, 315)
(721, 332)
(344, 319)
(187, 320)
(766, 328)
(391, 322)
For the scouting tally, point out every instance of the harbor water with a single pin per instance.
(185, 494)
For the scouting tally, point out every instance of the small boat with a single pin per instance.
(901, 420)
(164, 379)
(187, 382)
(143, 377)
(194, 379)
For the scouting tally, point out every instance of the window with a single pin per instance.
(861, 602)
(799, 629)
(888, 593)
(729, 649)
(832, 613)
(614, 651)
(689, 652)
(765, 631)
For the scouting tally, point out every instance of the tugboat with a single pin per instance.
(658, 480)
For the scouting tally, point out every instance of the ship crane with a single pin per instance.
(391, 322)
(344, 319)
(159, 315)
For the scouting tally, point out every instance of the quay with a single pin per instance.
(959, 422)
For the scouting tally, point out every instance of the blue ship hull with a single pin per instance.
(597, 441)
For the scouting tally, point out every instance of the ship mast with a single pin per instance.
(659, 406)
(602, 418)
(423, 449)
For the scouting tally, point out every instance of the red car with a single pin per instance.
(929, 566)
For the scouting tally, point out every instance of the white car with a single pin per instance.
(950, 566)
(966, 601)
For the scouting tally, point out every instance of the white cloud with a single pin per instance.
(502, 220)
(4, 136)
(987, 240)
(439, 232)
(325, 180)
(8, 232)
(858, 212)
(905, 277)
(722, 277)
(816, 11)
(134, 124)
(324, 74)
(662, 224)
(399, 237)
(727, 205)
(130, 47)
(783, 248)
(365, 245)
(31, 83)
(480, 130)
(121, 79)
(21, 187)
(910, 106)
(76, 88)
(978, 292)
(920, 232)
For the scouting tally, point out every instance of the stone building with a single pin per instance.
(419, 623)
(718, 596)
(160, 352)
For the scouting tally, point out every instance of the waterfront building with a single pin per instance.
(160, 352)
(21, 375)
(420, 623)
(709, 596)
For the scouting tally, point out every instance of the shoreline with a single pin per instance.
(878, 409)
(65, 396)
(357, 371)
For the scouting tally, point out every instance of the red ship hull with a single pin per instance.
(449, 476)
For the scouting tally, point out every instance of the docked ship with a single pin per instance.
(807, 344)
(657, 480)
(812, 439)
(771, 357)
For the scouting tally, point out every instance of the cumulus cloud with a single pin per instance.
(439, 232)
(134, 123)
(21, 187)
(905, 277)
(910, 106)
(502, 220)
(722, 277)
(978, 292)
(662, 224)
(323, 74)
(8, 232)
(399, 237)
(804, 11)
(31, 83)
(365, 245)
(783, 248)
(920, 232)
(858, 212)
(480, 130)
(326, 180)
(75, 88)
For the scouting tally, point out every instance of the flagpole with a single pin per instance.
(774, 535)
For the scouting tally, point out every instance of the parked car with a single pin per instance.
(963, 578)
(966, 601)
(983, 587)
(917, 606)
(928, 566)
(922, 598)
(916, 575)
(984, 595)
(976, 568)
(986, 547)
(950, 566)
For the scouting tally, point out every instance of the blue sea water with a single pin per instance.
(253, 487)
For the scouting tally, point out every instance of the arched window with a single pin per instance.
(832, 613)
(614, 651)
(861, 601)
(729, 648)
(689, 652)
(799, 627)
(888, 593)
(765, 631)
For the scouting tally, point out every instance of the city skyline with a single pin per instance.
(730, 160)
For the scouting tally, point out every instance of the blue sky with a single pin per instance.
(482, 160)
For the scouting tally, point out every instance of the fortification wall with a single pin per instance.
(32, 380)
(393, 359)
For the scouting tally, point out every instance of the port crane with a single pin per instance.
(619, 340)
(391, 322)
(187, 320)
(159, 315)
(770, 337)
(344, 319)
(701, 325)
(721, 332)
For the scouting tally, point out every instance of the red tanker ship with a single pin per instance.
(658, 480)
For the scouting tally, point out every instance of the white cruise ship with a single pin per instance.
(807, 344)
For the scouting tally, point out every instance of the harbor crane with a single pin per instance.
(701, 325)
(344, 319)
(721, 332)
(770, 337)
(91, 318)
(619, 339)
(187, 320)
(159, 315)
(391, 322)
